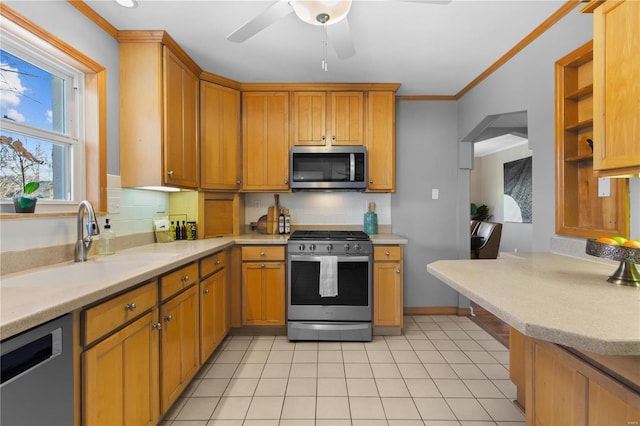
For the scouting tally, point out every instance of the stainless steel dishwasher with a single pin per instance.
(36, 385)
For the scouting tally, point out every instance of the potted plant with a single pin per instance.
(480, 212)
(24, 201)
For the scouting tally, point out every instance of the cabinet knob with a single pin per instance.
(333, 137)
(370, 181)
(286, 181)
(168, 318)
(387, 253)
(185, 278)
(130, 307)
(157, 326)
(205, 292)
(262, 265)
(261, 253)
(170, 173)
(238, 182)
(397, 271)
(218, 262)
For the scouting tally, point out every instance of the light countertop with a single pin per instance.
(32, 297)
(552, 297)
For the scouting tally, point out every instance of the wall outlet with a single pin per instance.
(113, 206)
(256, 204)
(435, 194)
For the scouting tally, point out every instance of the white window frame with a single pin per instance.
(74, 119)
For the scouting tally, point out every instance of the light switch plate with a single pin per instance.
(435, 194)
(604, 187)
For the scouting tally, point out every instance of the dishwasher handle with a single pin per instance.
(30, 355)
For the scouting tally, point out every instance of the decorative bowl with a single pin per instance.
(627, 273)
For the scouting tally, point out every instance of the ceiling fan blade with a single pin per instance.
(424, 1)
(272, 14)
(340, 36)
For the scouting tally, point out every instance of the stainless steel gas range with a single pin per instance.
(329, 293)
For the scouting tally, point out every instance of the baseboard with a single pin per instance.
(436, 310)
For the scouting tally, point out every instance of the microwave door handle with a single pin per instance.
(352, 167)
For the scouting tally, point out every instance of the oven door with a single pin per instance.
(353, 302)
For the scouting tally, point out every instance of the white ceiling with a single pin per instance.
(431, 49)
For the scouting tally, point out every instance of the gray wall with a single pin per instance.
(426, 159)
(526, 83)
(68, 24)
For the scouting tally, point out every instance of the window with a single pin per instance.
(40, 104)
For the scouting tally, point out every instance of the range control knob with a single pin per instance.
(301, 247)
(356, 246)
(346, 248)
(329, 247)
(312, 247)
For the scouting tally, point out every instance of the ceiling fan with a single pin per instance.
(332, 14)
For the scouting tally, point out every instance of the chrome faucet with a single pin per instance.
(83, 244)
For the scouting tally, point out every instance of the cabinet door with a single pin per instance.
(387, 294)
(213, 313)
(606, 408)
(381, 134)
(180, 353)
(180, 123)
(265, 141)
(616, 72)
(220, 137)
(309, 118)
(347, 118)
(559, 391)
(263, 293)
(120, 377)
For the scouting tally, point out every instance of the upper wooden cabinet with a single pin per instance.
(381, 141)
(158, 112)
(220, 137)
(318, 122)
(616, 97)
(265, 141)
(580, 211)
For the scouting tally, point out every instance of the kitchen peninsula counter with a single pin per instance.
(551, 297)
(32, 297)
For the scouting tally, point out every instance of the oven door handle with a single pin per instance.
(306, 258)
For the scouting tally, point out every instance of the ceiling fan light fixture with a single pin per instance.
(320, 12)
(127, 3)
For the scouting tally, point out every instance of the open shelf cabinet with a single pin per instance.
(580, 212)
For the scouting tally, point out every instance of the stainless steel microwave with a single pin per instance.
(340, 168)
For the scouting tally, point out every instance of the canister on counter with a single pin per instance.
(192, 231)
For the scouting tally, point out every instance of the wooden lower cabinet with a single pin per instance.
(179, 345)
(214, 322)
(263, 293)
(120, 376)
(387, 286)
(563, 388)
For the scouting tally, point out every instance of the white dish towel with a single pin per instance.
(328, 276)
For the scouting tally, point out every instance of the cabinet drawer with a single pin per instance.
(212, 263)
(107, 316)
(381, 253)
(177, 280)
(261, 253)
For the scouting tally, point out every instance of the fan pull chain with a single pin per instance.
(324, 47)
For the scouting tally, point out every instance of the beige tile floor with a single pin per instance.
(443, 370)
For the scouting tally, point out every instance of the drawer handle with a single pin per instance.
(168, 318)
(387, 253)
(205, 292)
(157, 326)
(261, 253)
(218, 262)
(185, 278)
(130, 307)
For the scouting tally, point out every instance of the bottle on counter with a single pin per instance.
(183, 231)
(281, 222)
(371, 220)
(107, 239)
(287, 222)
(178, 231)
(172, 231)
